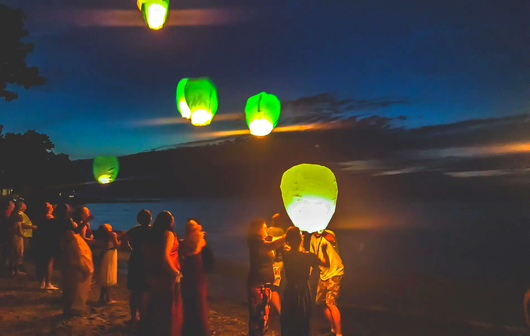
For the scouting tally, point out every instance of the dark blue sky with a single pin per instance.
(451, 60)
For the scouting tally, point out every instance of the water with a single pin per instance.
(454, 259)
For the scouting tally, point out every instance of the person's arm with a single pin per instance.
(167, 263)
(274, 244)
(83, 233)
(324, 261)
(114, 239)
(18, 229)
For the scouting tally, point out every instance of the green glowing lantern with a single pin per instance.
(262, 113)
(197, 100)
(155, 12)
(309, 194)
(106, 169)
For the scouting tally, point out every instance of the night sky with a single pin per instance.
(449, 60)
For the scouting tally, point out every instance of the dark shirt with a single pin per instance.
(261, 265)
(137, 236)
(298, 265)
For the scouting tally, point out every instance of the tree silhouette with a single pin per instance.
(13, 67)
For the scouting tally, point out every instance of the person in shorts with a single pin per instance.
(328, 288)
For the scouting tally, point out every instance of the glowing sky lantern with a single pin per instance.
(106, 169)
(309, 194)
(197, 100)
(262, 113)
(154, 11)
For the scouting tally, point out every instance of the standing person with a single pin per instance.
(260, 276)
(108, 268)
(136, 281)
(82, 218)
(27, 227)
(16, 235)
(77, 265)
(47, 246)
(276, 231)
(328, 288)
(296, 313)
(164, 307)
(5, 241)
(193, 284)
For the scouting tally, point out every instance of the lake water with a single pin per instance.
(454, 259)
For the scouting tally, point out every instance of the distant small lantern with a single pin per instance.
(309, 193)
(262, 113)
(105, 169)
(197, 100)
(154, 11)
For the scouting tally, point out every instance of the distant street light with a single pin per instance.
(262, 113)
(154, 11)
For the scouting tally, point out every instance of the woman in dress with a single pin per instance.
(193, 284)
(260, 276)
(296, 305)
(164, 304)
(108, 269)
(136, 281)
(82, 218)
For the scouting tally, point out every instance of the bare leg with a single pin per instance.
(276, 302)
(102, 295)
(329, 317)
(109, 300)
(335, 317)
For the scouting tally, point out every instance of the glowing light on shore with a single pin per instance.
(309, 193)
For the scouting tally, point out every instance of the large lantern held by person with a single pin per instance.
(197, 100)
(309, 194)
(262, 113)
(154, 11)
(105, 169)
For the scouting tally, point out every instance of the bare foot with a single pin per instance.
(111, 302)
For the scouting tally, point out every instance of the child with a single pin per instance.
(108, 269)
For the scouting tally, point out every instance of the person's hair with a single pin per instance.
(61, 210)
(254, 228)
(293, 238)
(190, 224)
(163, 222)
(144, 217)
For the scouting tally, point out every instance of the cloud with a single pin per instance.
(179, 120)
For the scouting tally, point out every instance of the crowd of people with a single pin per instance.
(166, 276)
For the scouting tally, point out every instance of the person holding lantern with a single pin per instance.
(260, 276)
(330, 277)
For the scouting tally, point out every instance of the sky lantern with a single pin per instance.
(262, 113)
(106, 169)
(197, 100)
(154, 11)
(309, 193)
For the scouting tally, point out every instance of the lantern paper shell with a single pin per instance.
(155, 12)
(197, 100)
(262, 113)
(309, 194)
(106, 169)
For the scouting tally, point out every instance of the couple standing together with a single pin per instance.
(298, 263)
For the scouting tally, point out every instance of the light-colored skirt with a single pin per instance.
(108, 275)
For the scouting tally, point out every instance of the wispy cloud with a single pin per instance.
(179, 120)
(476, 151)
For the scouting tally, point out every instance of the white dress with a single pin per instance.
(108, 275)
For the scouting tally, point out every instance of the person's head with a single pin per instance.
(258, 227)
(81, 215)
(164, 222)
(144, 217)
(194, 234)
(21, 206)
(61, 210)
(293, 238)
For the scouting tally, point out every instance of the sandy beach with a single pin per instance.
(27, 310)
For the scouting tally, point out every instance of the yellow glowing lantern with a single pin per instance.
(155, 12)
(309, 193)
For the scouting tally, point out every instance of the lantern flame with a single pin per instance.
(260, 127)
(104, 179)
(311, 214)
(156, 16)
(184, 109)
(201, 117)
